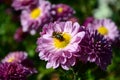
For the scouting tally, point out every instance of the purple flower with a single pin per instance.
(88, 21)
(20, 35)
(73, 19)
(116, 43)
(13, 71)
(18, 60)
(95, 48)
(23, 4)
(61, 12)
(59, 44)
(105, 27)
(33, 19)
(15, 57)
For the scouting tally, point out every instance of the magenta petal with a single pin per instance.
(67, 54)
(62, 60)
(72, 61)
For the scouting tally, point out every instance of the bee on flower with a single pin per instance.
(59, 44)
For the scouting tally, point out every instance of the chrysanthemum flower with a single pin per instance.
(88, 21)
(18, 58)
(33, 19)
(13, 71)
(61, 12)
(73, 19)
(59, 44)
(105, 27)
(23, 4)
(116, 43)
(95, 48)
(20, 35)
(15, 57)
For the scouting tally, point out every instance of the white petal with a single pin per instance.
(78, 37)
(68, 27)
(76, 28)
(49, 65)
(65, 67)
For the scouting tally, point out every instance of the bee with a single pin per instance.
(58, 36)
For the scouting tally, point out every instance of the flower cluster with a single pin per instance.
(13, 67)
(36, 13)
(62, 42)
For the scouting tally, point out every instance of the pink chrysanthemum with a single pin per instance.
(19, 58)
(33, 19)
(14, 57)
(105, 27)
(59, 44)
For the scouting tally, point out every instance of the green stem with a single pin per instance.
(75, 75)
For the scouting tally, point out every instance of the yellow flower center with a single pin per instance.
(61, 40)
(60, 10)
(35, 13)
(103, 30)
(10, 60)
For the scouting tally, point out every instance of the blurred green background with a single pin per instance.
(9, 22)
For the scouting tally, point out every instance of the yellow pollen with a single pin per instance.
(61, 44)
(10, 60)
(60, 10)
(103, 30)
(35, 13)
